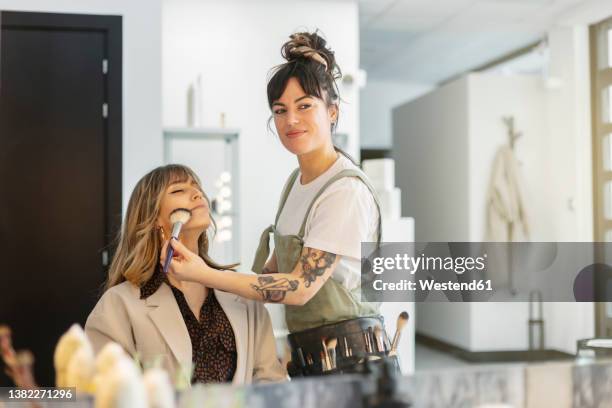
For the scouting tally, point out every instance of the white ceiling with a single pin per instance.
(428, 41)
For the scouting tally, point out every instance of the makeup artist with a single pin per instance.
(187, 326)
(327, 208)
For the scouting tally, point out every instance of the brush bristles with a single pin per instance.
(181, 215)
(402, 319)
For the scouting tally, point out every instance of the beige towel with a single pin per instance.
(506, 218)
(506, 212)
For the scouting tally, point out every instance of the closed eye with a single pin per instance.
(176, 191)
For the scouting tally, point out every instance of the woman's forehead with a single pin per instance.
(183, 178)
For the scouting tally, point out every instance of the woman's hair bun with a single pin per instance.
(311, 46)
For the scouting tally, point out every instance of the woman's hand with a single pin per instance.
(185, 265)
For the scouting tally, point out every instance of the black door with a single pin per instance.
(60, 172)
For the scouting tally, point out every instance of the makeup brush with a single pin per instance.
(301, 357)
(371, 339)
(325, 355)
(324, 366)
(366, 341)
(380, 345)
(401, 322)
(331, 351)
(178, 217)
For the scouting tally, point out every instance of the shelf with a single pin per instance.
(201, 132)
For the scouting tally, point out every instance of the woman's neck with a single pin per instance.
(190, 240)
(315, 163)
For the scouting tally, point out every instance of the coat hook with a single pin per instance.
(512, 134)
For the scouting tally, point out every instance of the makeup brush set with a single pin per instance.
(344, 347)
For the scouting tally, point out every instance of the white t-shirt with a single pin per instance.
(343, 216)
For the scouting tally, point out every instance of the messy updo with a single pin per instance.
(312, 64)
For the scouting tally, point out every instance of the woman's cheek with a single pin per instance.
(204, 217)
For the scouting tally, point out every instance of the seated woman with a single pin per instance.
(221, 336)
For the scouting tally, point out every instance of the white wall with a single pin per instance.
(376, 102)
(430, 143)
(142, 135)
(233, 45)
(449, 322)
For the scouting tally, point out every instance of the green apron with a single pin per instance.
(333, 302)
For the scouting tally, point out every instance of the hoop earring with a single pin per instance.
(163, 234)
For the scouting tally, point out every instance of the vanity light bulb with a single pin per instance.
(225, 177)
(225, 222)
(225, 206)
(225, 192)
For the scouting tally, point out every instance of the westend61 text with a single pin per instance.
(429, 285)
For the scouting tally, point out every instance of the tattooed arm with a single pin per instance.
(299, 286)
(295, 288)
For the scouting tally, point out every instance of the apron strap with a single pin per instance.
(285, 193)
(346, 173)
(263, 250)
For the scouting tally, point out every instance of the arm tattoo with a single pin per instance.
(315, 263)
(274, 290)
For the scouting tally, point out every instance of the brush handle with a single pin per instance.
(380, 343)
(301, 357)
(396, 339)
(332, 357)
(176, 230)
(169, 255)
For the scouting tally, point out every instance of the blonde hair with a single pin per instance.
(139, 241)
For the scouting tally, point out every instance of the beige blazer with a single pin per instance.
(154, 328)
